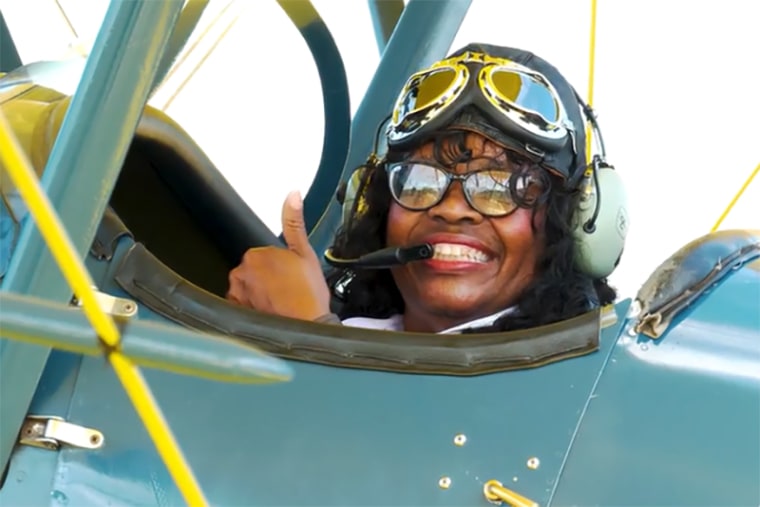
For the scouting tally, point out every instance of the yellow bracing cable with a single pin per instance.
(76, 275)
(591, 60)
(590, 100)
(191, 49)
(200, 62)
(736, 198)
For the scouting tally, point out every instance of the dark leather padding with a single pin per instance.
(173, 199)
(149, 281)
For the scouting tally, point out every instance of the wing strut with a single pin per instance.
(73, 269)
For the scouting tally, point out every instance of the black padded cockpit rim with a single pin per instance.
(156, 286)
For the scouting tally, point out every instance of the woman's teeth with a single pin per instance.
(456, 252)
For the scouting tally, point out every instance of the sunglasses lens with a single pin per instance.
(424, 91)
(526, 92)
(417, 186)
(488, 192)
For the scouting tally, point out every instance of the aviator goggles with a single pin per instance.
(417, 186)
(519, 101)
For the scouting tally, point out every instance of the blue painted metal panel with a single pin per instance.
(335, 437)
(80, 173)
(9, 57)
(676, 421)
(31, 470)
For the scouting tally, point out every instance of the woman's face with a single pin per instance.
(481, 264)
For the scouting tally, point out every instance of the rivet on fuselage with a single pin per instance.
(460, 439)
(444, 482)
(533, 463)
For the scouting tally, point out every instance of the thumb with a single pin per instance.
(294, 226)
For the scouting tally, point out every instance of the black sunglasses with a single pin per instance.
(417, 186)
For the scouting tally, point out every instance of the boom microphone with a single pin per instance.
(385, 258)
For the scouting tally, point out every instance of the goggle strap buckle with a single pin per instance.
(535, 151)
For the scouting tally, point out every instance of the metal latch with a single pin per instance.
(50, 432)
(117, 307)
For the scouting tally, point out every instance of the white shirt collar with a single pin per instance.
(481, 322)
(396, 322)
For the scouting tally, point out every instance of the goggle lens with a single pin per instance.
(526, 92)
(520, 102)
(424, 91)
(419, 187)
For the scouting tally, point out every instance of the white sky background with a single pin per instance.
(677, 92)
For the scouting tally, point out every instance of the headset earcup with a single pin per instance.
(599, 250)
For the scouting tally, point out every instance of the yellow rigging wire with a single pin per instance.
(66, 19)
(590, 100)
(72, 267)
(203, 59)
(591, 62)
(194, 45)
(735, 198)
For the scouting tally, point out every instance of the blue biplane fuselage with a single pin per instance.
(653, 402)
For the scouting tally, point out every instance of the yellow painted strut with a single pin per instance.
(79, 280)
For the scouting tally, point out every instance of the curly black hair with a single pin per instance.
(559, 291)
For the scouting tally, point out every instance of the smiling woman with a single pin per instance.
(484, 209)
(487, 163)
(486, 245)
